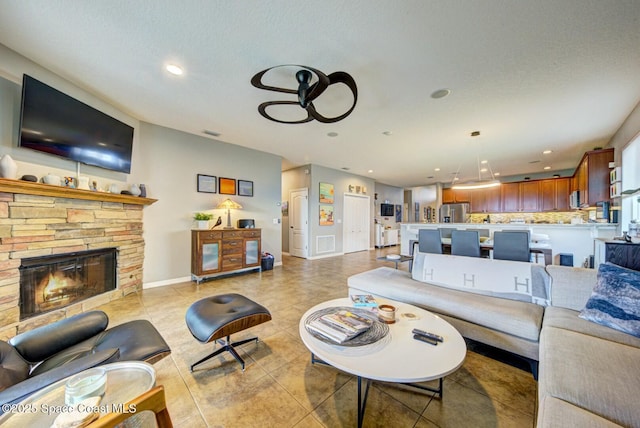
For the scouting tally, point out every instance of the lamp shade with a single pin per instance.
(228, 204)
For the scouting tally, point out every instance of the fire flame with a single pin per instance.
(54, 284)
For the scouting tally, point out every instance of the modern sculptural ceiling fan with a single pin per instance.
(307, 92)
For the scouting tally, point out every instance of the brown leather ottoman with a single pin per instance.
(217, 317)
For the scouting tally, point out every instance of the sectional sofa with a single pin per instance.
(589, 374)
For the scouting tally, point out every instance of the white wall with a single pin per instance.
(166, 161)
(171, 162)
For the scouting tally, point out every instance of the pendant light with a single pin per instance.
(482, 183)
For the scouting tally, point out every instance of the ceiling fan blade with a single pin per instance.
(262, 108)
(337, 77)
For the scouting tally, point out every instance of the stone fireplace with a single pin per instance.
(54, 282)
(39, 220)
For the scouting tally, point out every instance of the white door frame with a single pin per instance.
(301, 217)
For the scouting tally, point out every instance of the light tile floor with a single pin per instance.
(281, 388)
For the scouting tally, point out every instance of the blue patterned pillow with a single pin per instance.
(615, 300)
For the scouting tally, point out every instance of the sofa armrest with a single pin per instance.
(42, 342)
(571, 287)
(21, 390)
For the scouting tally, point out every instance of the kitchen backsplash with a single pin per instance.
(547, 217)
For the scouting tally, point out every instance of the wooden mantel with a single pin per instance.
(30, 188)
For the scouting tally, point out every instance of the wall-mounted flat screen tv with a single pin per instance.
(55, 123)
(386, 210)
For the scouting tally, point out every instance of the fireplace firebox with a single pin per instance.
(52, 282)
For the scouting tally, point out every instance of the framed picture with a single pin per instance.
(245, 188)
(227, 186)
(206, 183)
(399, 213)
(326, 193)
(326, 215)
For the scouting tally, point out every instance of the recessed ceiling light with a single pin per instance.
(547, 167)
(440, 93)
(387, 133)
(496, 173)
(437, 169)
(332, 134)
(475, 134)
(556, 175)
(370, 171)
(174, 69)
(546, 152)
(212, 133)
(484, 161)
(455, 179)
(483, 170)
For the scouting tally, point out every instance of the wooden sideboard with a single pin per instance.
(218, 252)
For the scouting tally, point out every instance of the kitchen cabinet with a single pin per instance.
(224, 251)
(385, 237)
(450, 196)
(522, 196)
(554, 194)
(485, 200)
(591, 178)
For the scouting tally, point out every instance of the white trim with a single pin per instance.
(154, 284)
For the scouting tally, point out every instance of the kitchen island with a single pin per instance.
(575, 239)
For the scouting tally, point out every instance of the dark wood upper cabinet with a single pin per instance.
(450, 196)
(591, 178)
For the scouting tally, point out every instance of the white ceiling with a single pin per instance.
(530, 75)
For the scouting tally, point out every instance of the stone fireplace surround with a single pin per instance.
(40, 219)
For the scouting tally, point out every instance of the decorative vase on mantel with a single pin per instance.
(8, 167)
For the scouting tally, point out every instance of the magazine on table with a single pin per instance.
(340, 326)
(364, 301)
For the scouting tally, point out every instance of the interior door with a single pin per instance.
(299, 223)
(356, 227)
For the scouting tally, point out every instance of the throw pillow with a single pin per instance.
(615, 300)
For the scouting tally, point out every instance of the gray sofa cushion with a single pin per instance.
(557, 413)
(517, 318)
(569, 320)
(592, 373)
(571, 287)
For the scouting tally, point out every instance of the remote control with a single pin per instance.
(425, 339)
(431, 336)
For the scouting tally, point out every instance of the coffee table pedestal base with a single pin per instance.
(362, 399)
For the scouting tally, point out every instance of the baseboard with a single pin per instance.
(162, 283)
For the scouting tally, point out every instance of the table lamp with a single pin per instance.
(228, 205)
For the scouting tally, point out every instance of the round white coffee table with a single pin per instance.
(397, 357)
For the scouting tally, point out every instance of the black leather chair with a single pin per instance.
(39, 357)
(429, 241)
(512, 245)
(465, 243)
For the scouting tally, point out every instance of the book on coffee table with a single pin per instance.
(340, 326)
(364, 301)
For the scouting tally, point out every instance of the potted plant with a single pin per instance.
(202, 219)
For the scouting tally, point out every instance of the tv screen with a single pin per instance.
(386, 210)
(55, 123)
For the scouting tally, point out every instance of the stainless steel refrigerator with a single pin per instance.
(454, 213)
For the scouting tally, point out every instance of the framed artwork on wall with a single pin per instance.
(326, 193)
(206, 183)
(326, 215)
(245, 188)
(227, 186)
(398, 213)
